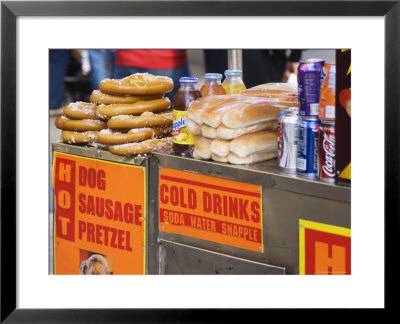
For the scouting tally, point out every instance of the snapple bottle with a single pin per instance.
(182, 139)
(212, 85)
(233, 83)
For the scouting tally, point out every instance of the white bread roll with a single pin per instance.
(220, 147)
(208, 131)
(247, 144)
(202, 148)
(285, 94)
(259, 111)
(197, 107)
(213, 115)
(252, 158)
(237, 111)
(226, 133)
(197, 156)
(219, 158)
(193, 127)
(271, 88)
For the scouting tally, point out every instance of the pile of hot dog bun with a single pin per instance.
(240, 129)
(128, 116)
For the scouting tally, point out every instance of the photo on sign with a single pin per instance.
(200, 161)
(95, 264)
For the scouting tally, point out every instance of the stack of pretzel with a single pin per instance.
(131, 115)
(234, 129)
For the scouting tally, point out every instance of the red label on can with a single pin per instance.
(327, 152)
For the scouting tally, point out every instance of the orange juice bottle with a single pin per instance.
(233, 83)
(212, 85)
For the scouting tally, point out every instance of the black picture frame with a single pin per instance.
(10, 10)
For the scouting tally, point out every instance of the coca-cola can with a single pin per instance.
(327, 152)
(288, 126)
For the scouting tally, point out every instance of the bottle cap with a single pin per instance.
(190, 79)
(233, 72)
(213, 76)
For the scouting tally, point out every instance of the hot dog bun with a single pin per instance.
(247, 144)
(284, 94)
(199, 106)
(222, 105)
(208, 131)
(252, 158)
(232, 111)
(220, 147)
(193, 127)
(219, 158)
(226, 133)
(246, 115)
(202, 148)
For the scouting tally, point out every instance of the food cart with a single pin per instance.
(159, 214)
(295, 214)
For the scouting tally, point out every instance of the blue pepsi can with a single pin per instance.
(309, 85)
(307, 148)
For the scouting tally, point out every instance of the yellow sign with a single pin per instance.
(324, 249)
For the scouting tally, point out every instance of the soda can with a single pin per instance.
(309, 85)
(327, 99)
(307, 148)
(288, 125)
(327, 152)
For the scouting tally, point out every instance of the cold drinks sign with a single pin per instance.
(209, 208)
(99, 221)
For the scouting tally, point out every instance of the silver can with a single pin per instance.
(288, 129)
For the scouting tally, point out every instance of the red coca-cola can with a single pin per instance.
(327, 152)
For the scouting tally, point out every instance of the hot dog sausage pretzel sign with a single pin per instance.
(99, 217)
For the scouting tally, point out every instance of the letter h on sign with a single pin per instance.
(327, 253)
(64, 191)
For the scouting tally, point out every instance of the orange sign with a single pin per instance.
(99, 216)
(209, 208)
(324, 249)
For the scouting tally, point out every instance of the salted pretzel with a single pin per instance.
(108, 137)
(147, 146)
(81, 125)
(99, 97)
(81, 110)
(146, 119)
(137, 84)
(72, 137)
(108, 111)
